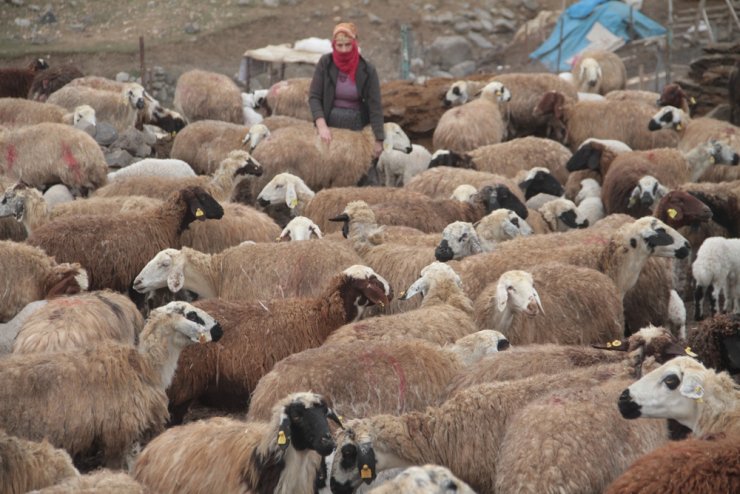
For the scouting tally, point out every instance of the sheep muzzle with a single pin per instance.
(627, 407)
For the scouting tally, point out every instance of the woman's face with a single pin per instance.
(343, 44)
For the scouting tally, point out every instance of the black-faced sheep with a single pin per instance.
(274, 329)
(137, 237)
(79, 322)
(50, 80)
(367, 378)
(280, 455)
(105, 399)
(203, 95)
(599, 71)
(474, 124)
(15, 82)
(683, 389)
(584, 119)
(592, 160)
(50, 153)
(28, 273)
(29, 465)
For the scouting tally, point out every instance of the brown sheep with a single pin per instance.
(137, 237)
(17, 112)
(290, 97)
(441, 181)
(101, 481)
(599, 72)
(15, 82)
(416, 107)
(50, 80)
(203, 95)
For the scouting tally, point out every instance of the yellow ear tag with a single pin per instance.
(366, 472)
(679, 126)
(689, 352)
(712, 160)
(281, 438)
(693, 100)
(198, 213)
(672, 213)
(293, 203)
(609, 345)
(616, 343)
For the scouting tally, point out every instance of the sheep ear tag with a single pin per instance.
(283, 435)
(672, 213)
(199, 212)
(679, 126)
(366, 472)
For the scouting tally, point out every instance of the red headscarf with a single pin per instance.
(346, 62)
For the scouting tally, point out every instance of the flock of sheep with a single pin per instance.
(238, 314)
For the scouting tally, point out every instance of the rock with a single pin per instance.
(89, 129)
(448, 51)
(374, 19)
(504, 26)
(34, 8)
(192, 28)
(105, 134)
(476, 26)
(486, 25)
(245, 3)
(440, 73)
(149, 138)
(271, 3)
(461, 27)
(118, 158)
(17, 3)
(416, 63)
(482, 14)
(48, 17)
(429, 7)
(133, 141)
(532, 5)
(22, 22)
(507, 13)
(463, 69)
(480, 41)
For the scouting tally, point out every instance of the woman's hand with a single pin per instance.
(377, 149)
(324, 132)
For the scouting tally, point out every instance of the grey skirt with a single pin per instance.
(345, 118)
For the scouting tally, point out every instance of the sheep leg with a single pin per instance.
(698, 300)
(713, 298)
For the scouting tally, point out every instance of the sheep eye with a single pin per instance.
(464, 236)
(279, 186)
(672, 381)
(192, 316)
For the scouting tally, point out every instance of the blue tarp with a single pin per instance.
(577, 21)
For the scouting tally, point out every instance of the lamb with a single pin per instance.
(576, 122)
(137, 236)
(79, 322)
(598, 71)
(440, 182)
(290, 97)
(49, 153)
(300, 228)
(28, 274)
(275, 328)
(444, 316)
(47, 81)
(589, 201)
(583, 306)
(250, 103)
(706, 464)
(16, 82)
(279, 455)
(399, 167)
(231, 274)
(29, 465)
(684, 390)
(154, 167)
(237, 166)
(473, 124)
(426, 479)
(121, 109)
(298, 149)
(101, 481)
(367, 378)
(203, 95)
(86, 412)
(717, 270)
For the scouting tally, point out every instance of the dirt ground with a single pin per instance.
(101, 37)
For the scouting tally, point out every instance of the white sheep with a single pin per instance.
(399, 167)
(716, 270)
(515, 292)
(257, 133)
(499, 226)
(589, 201)
(693, 132)
(463, 192)
(300, 228)
(204, 95)
(154, 167)
(250, 102)
(599, 71)
(426, 479)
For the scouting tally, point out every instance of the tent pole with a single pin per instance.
(669, 44)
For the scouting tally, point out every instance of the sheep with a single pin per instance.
(137, 237)
(440, 182)
(78, 322)
(120, 109)
(714, 341)
(589, 201)
(290, 97)
(693, 132)
(444, 316)
(280, 455)
(399, 167)
(499, 226)
(203, 95)
(716, 270)
(539, 186)
(684, 390)
(153, 167)
(300, 228)
(101, 481)
(50, 80)
(29, 274)
(463, 192)
(221, 375)
(49, 153)
(426, 479)
(557, 215)
(111, 397)
(237, 166)
(298, 149)
(231, 274)
(599, 71)
(592, 160)
(28, 465)
(576, 122)
(695, 465)
(57, 194)
(9, 329)
(18, 112)
(473, 124)
(463, 433)
(647, 97)
(582, 307)
(364, 378)
(15, 82)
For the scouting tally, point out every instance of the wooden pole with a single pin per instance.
(669, 44)
(641, 76)
(142, 66)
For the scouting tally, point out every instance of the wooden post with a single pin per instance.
(141, 61)
(641, 76)
(405, 52)
(669, 44)
(249, 72)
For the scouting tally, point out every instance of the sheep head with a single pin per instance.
(495, 91)
(135, 95)
(459, 239)
(656, 237)
(722, 154)
(500, 197)
(257, 133)
(515, 289)
(551, 103)
(396, 138)
(200, 205)
(562, 214)
(674, 95)
(589, 75)
(240, 163)
(38, 65)
(463, 192)
(166, 269)
(501, 225)
(356, 213)
(458, 94)
(13, 201)
(362, 288)
(300, 228)
(647, 191)
(430, 275)
(193, 323)
(167, 120)
(302, 423)
(540, 180)
(284, 188)
(678, 208)
(668, 117)
(444, 157)
(355, 459)
(586, 157)
(473, 347)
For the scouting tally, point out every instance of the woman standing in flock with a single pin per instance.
(345, 89)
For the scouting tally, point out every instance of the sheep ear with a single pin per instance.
(502, 296)
(283, 435)
(330, 414)
(291, 198)
(633, 197)
(176, 276)
(417, 286)
(691, 387)
(537, 299)
(315, 231)
(373, 290)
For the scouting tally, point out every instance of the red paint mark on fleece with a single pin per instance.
(595, 240)
(71, 162)
(11, 156)
(399, 374)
